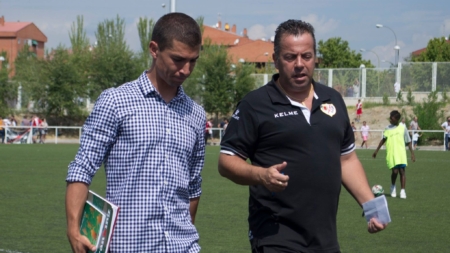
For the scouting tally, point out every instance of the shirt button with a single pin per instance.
(166, 233)
(165, 208)
(166, 183)
(168, 131)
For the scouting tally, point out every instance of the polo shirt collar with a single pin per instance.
(321, 95)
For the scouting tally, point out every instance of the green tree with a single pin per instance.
(145, 30)
(430, 115)
(28, 73)
(8, 89)
(244, 81)
(217, 80)
(438, 50)
(113, 63)
(62, 86)
(336, 53)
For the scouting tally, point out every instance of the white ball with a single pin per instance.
(377, 190)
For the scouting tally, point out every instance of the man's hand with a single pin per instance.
(413, 157)
(80, 243)
(273, 180)
(374, 226)
(374, 155)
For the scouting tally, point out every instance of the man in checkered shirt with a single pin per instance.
(149, 135)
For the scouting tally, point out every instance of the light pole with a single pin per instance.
(378, 58)
(396, 47)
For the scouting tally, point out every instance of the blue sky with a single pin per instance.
(414, 22)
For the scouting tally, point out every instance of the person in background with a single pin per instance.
(446, 127)
(44, 130)
(13, 121)
(397, 90)
(395, 137)
(358, 110)
(36, 124)
(25, 121)
(354, 129)
(298, 137)
(2, 130)
(364, 133)
(414, 126)
(356, 88)
(415, 140)
(153, 169)
(208, 131)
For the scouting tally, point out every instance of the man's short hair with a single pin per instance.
(292, 27)
(395, 115)
(176, 26)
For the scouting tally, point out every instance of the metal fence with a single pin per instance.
(72, 135)
(419, 77)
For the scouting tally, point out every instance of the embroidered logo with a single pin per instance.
(328, 109)
(235, 114)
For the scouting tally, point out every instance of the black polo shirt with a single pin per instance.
(267, 129)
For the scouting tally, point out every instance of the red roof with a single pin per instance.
(220, 37)
(240, 47)
(13, 27)
(253, 51)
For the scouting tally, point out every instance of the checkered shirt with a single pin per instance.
(153, 154)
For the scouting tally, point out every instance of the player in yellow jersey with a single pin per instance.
(395, 136)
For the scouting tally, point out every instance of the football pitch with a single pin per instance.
(32, 215)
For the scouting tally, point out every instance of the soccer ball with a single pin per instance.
(377, 190)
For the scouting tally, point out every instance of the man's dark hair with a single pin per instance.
(176, 26)
(395, 115)
(292, 27)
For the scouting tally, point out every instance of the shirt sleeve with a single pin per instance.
(99, 134)
(348, 144)
(242, 133)
(406, 136)
(196, 163)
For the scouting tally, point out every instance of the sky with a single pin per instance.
(412, 22)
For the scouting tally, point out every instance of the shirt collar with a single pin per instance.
(277, 96)
(147, 87)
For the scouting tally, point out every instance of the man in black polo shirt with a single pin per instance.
(297, 134)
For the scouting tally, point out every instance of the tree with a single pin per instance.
(244, 81)
(28, 73)
(336, 53)
(438, 50)
(8, 89)
(217, 80)
(113, 63)
(145, 29)
(61, 86)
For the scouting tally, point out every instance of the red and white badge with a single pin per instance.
(328, 109)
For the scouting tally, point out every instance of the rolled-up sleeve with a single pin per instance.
(196, 164)
(99, 133)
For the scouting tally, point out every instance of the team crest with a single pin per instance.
(328, 109)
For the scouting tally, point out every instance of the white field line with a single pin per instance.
(11, 251)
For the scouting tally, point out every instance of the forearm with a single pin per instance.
(193, 205)
(238, 170)
(76, 194)
(354, 178)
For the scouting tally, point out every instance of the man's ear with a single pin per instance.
(154, 49)
(275, 60)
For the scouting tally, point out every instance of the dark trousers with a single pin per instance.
(447, 136)
(2, 135)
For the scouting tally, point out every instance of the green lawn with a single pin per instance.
(32, 217)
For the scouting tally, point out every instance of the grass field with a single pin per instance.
(32, 216)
